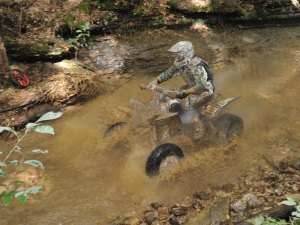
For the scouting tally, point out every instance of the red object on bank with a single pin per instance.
(18, 78)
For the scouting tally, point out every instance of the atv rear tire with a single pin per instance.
(229, 126)
(159, 155)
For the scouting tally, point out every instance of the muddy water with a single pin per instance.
(90, 179)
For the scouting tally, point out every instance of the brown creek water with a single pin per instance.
(90, 180)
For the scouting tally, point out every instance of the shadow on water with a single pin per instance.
(91, 179)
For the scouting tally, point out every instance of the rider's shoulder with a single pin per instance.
(195, 61)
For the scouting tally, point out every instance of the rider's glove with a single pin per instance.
(182, 94)
(152, 85)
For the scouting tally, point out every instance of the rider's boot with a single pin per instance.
(198, 129)
(210, 130)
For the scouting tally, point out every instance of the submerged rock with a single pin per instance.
(151, 216)
(179, 211)
(248, 201)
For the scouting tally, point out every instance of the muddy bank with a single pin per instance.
(48, 91)
(259, 192)
(33, 30)
(99, 69)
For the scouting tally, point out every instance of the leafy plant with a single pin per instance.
(158, 20)
(86, 7)
(81, 38)
(296, 213)
(261, 220)
(13, 189)
(294, 220)
(70, 20)
(108, 18)
(139, 12)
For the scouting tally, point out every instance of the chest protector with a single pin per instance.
(196, 61)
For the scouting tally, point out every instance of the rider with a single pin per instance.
(196, 73)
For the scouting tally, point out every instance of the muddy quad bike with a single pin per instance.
(225, 127)
(168, 123)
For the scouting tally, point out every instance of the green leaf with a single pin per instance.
(2, 164)
(13, 162)
(33, 190)
(45, 129)
(259, 220)
(2, 173)
(70, 20)
(272, 220)
(7, 198)
(297, 214)
(289, 202)
(49, 116)
(35, 163)
(298, 208)
(21, 196)
(8, 129)
(40, 151)
(31, 125)
(296, 221)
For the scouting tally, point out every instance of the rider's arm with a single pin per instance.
(185, 93)
(166, 75)
(192, 91)
(200, 79)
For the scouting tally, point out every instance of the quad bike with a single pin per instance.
(171, 121)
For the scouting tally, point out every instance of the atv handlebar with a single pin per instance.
(170, 94)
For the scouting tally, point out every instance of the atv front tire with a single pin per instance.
(163, 155)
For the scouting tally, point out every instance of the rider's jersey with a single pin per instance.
(194, 75)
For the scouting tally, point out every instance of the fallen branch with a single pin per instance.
(280, 212)
(31, 103)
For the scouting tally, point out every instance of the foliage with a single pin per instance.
(109, 18)
(158, 20)
(81, 37)
(70, 20)
(296, 213)
(12, 163)
(294, 219)
(226, 6)
(139, 11)
(136, 7)
(154, 7)
(86, 7)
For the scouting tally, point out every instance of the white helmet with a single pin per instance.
(184, 50)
